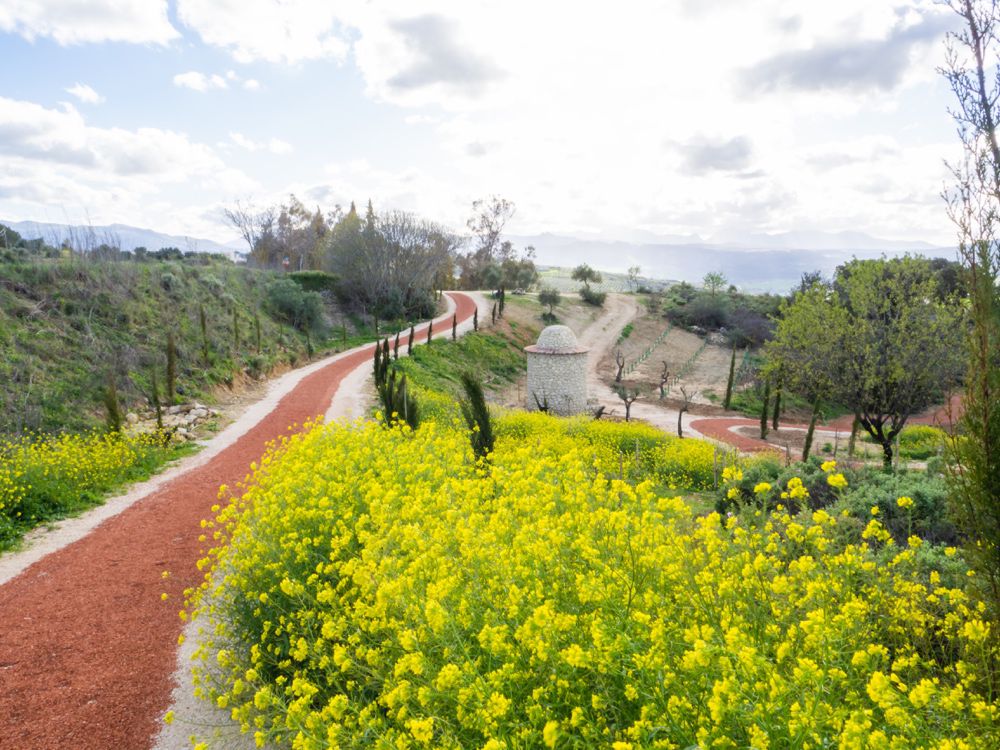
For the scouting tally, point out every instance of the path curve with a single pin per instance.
(87, 646)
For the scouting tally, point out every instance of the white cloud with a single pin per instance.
(274, 145)
(200, 81)
(290, 31)
(85, 93)
(78, 21)
(251, 84)
(114, 173)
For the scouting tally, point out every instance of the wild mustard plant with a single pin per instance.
(374, 588)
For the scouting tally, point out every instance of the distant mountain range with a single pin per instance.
(126, 237)
(752, 262)
(755, 262)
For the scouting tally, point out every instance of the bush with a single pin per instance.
(315, 281)
(921, 442)
(294, 305)
(374, 588)
(593, 297)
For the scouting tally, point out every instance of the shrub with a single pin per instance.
(592, 296)
(373, 588)
(315, 281)
(294, 305)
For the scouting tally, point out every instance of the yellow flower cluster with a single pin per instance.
(375, 588)
(43, 476)
(626, 450)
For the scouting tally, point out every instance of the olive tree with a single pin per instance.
(881, 341)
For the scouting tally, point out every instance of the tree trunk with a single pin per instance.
(854, 436)
(763, 410)
(729, 383)
(812, 428)
(887, 455)
(680, 428)
(777, 408)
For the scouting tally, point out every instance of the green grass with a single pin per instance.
(47, 478)
(65, 324)
(495, 356)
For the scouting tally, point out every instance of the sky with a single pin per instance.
(710, 118)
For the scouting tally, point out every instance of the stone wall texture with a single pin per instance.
(561, 379)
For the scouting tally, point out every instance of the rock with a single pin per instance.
(132, 418)
(198, 412)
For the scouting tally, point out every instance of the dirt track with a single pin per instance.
(86, 645)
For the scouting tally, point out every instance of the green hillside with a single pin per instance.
(68, 327)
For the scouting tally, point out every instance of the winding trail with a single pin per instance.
(87, 647)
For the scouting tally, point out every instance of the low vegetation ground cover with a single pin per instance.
(45, 477)
(383, 587)
(377, 587)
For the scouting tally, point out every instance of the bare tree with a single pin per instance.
(633, 277)
(251, 223)
(684, 407)
(664, 384)
(489, 217)
(628, 395)
(620, 363)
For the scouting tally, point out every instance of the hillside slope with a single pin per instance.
(68, 327)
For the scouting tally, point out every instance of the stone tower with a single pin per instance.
(557, 372)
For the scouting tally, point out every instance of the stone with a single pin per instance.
(557, 372)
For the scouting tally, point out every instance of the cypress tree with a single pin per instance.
(732, 375)
(395, 347)
(204, 334)
(171, 368)
(777, 408)
(430, 331)
(763, 410)
(256, 326)
(409, 343)
(454, 327)
(236, 332)
(477, 416)
(475, 319)
(155, 386)
(493, 314)
(114, 409)
(378, 366)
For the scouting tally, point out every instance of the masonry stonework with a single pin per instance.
(557, 372)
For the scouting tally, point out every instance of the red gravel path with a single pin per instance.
(87, 647)
(719, 428)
